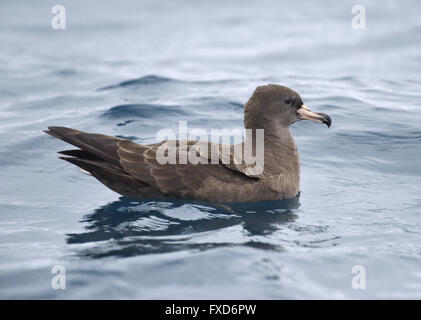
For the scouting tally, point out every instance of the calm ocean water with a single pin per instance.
(129, 69)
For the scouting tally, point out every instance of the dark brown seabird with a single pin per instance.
(132, 169)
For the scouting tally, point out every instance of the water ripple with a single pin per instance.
(145, 80)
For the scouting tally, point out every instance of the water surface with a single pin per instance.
(128, 69)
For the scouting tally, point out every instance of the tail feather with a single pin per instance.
(98, 157)
(96, 151)
(80, 154)
(102, 146)
(88, 163)
(117, 181)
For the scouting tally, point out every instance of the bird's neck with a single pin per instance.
(281, 154)
(281, 158)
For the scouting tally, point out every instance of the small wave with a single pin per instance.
(65, 72)
(339, 100)
(141, 110)
(350, 80)
(217, 101)
(154, 79)
(146, 80)
(373, 138)
(125, 123)
(133, 138)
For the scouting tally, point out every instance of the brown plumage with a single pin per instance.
(133, 169)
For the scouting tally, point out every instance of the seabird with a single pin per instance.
(133, 169)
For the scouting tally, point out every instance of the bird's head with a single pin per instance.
(280, 106)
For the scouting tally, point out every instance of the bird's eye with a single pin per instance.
(287, 100)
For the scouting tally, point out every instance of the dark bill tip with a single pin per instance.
(326, 119)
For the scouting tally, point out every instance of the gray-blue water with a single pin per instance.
(159, 63)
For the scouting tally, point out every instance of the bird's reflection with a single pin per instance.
(129, 227)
